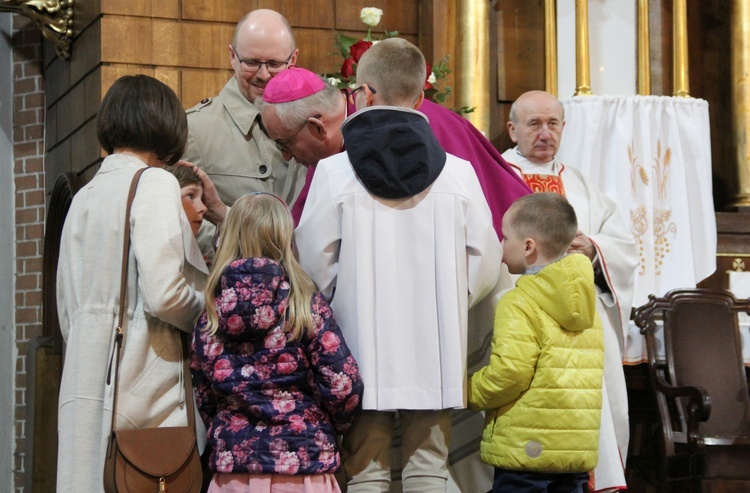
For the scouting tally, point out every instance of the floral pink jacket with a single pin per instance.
(271, 405)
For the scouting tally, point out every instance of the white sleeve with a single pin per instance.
(318, 235)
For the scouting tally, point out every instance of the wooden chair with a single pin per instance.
(700, 384)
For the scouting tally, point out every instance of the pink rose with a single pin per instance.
(264, 317)
(327, 457)
(261, 371)
(247, 370)
(213, 348)
(278, 446)
(254, 467)
(235, 325)
(341, 385)
(222, 370)
(330, 342)
(226, 302)
(286, 364)
(237, 423)
(288, 463)
(224, 461)
(297, 423)
(276, 339)
(283, 402)
(352, 403)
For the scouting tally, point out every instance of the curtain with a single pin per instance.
(651, 155)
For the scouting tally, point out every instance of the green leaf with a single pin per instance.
(343, 43)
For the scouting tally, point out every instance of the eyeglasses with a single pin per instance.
(351, 94)
(283, 145)
(251, 65)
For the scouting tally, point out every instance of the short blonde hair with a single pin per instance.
(260, 225)
(396, 69)
(548, 218)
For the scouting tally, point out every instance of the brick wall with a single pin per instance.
(28, 150)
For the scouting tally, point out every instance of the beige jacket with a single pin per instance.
(166, 274)
(225, 139)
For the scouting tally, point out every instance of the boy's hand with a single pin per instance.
(217, 210)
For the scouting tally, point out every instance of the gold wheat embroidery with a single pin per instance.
(639, 226)
(662, 226)
(661, 170)
(636, 171)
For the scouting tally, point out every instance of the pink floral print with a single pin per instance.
(271, 405)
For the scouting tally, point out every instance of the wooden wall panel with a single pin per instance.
(200, 84)
(86, 53)
(318, 14)
(127, 40)
(315, 48)
(517, 59)
(143, 8)
(219, 11)
(401, 16)
(184, 44)
(191, 44)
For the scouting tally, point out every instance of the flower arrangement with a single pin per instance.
(352, 49)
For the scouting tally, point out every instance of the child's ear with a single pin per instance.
(529, 248)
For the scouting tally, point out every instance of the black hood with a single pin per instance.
(393, 151)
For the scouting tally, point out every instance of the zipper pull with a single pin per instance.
(162, 485)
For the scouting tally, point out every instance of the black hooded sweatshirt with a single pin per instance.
(393, 151)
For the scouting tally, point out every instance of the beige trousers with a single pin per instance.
(425, 436)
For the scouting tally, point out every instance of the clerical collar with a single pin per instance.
(529, 168)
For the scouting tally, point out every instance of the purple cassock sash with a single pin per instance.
(500, 184)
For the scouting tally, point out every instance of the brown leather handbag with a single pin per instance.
(150, 459)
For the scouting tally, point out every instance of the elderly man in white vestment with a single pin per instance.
(536, 125)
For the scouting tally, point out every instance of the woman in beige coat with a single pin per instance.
(141, 123)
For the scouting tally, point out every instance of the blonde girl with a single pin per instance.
(275, 381)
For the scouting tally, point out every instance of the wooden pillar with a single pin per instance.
(644, 50)
(550, 46)
(473, 77)
(583, 66)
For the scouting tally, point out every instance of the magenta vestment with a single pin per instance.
(500, 184)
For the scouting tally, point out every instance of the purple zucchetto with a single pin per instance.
(292, 84)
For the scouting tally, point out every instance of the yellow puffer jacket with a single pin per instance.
(543, 387)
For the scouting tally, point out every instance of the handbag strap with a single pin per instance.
(119, 332)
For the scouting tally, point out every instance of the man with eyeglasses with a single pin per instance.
(225, 136)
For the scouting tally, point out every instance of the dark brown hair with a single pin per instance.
(184, 174)
(144, 114)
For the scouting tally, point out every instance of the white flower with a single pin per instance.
(371, 16)
(431, 79)
(334, 81)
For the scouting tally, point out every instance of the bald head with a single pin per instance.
(536, 123)
(263, 35)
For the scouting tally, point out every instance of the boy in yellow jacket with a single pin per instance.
(542, 387)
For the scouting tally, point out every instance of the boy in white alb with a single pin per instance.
(398, 234)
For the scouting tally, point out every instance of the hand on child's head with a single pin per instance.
(217, 210)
